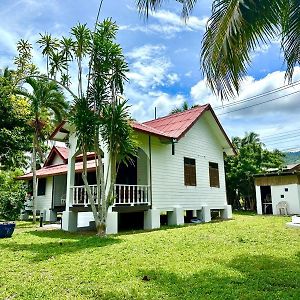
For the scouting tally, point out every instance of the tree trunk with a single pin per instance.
(102, 209)
(90, 196)
(34, 180)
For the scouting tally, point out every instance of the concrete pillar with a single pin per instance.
(71, 170)
(112, 222)
(226, 213)
(50, 216)
(152, 219)
(258, 200)
(204, 214)
(69, 221)
(176, 216)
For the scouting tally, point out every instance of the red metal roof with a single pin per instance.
(176, 125)
(58, 170)
(147, 129)
(64, 152)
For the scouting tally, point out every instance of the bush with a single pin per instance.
(12, 195)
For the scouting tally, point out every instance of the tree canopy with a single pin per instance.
(252, 158)
(15, 132)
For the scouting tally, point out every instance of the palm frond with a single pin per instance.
(235, 28)
(291, 36)
(146, 6)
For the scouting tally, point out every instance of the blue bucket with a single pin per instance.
(6, 230)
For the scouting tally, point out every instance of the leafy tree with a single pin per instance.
(15, 133)
(46, 102)
(12, 195)
(252, 158)
(234, 30)
(185, 106)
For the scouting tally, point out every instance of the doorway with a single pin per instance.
(266, 200)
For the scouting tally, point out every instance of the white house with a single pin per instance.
(179, 171)
(278, 191)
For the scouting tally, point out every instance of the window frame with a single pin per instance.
(214, 174)
(189, 171)
(41, 189)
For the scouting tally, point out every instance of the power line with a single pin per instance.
(282, 133)
(281, 137)
(286, 140)
(258, 103)
(259, 95)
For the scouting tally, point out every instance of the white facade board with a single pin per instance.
(168, 189)
(44, 202)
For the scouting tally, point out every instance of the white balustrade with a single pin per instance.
(80, 195)
(124, 194)
(131, 194)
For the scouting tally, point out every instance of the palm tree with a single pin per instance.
(46, 99)
(67, 47)
(82, 42)
(48, 46)
(185, 106)
(234, 30)
(57, 64)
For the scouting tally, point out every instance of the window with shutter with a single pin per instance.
(189, 171)
(214, 175)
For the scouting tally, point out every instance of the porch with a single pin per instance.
(124, 195)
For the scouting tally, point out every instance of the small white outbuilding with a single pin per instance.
(278, 191)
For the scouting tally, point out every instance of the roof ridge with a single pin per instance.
(176, 114)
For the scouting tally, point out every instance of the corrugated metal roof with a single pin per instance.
(58, 170)
(176, 125)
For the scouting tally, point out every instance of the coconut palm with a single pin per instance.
(46, 99)
(48, 46)
(185, 106)
(234, 30)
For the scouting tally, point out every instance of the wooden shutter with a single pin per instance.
(214, 180)
(189, 171)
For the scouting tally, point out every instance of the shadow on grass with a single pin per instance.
(65, 243)
(254, 277)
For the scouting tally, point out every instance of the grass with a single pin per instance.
(250, 257)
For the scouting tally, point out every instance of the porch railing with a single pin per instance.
(124, 194)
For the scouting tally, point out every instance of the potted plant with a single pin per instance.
(7, 229)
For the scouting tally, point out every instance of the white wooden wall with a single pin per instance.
(168, 189)
(45, 202)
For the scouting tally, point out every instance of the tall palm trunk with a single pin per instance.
(34, 179)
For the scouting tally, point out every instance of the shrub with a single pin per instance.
(12, 195)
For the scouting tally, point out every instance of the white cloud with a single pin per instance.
(150, 68)
(168, 24)
(144, 103)
(272, 117)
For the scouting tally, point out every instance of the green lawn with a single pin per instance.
(250, 257)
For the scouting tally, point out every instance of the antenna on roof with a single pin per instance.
(155, 112)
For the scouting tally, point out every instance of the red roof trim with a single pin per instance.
(208, 107)
(223, 131)
(54, 150)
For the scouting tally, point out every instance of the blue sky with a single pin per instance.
(163, 57)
